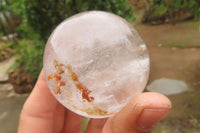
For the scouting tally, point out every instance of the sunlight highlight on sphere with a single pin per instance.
(95, 63)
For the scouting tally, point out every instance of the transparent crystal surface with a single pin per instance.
(95, 63)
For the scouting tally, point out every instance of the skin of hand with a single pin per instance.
(42, 113)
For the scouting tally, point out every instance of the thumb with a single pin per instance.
(140, 115)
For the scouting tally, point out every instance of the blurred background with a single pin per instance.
(170, 28)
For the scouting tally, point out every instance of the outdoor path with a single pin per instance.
(5, 87)
(175, 54)
(174, 50)
(4, 65)
(10, 109)
(10, 102)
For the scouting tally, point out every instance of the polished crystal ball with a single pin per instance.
(95, 63)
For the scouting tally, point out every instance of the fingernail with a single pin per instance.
(149, 117)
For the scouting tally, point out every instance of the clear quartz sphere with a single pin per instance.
(95, 63)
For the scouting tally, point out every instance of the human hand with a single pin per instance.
(42, 113)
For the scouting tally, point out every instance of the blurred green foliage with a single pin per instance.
(40, 17)
(44, 15)
(162, 7)
(8, 20)
(192, 5)
(30, 57)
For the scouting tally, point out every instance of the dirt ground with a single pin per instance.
(175, 53)
(174, 50)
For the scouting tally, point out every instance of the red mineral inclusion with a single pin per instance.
(74, 76)
(80, 86)
(57, 77)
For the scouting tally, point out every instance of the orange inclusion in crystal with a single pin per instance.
(80, 86)
(58, 78)
(57, 91)
(62, 83)
(50, 77)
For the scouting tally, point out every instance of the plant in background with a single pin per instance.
(8, 19)
(6, 51)
(191, 5)
(163, 11)
(44, 16)
(41, 17)
(30, 57)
